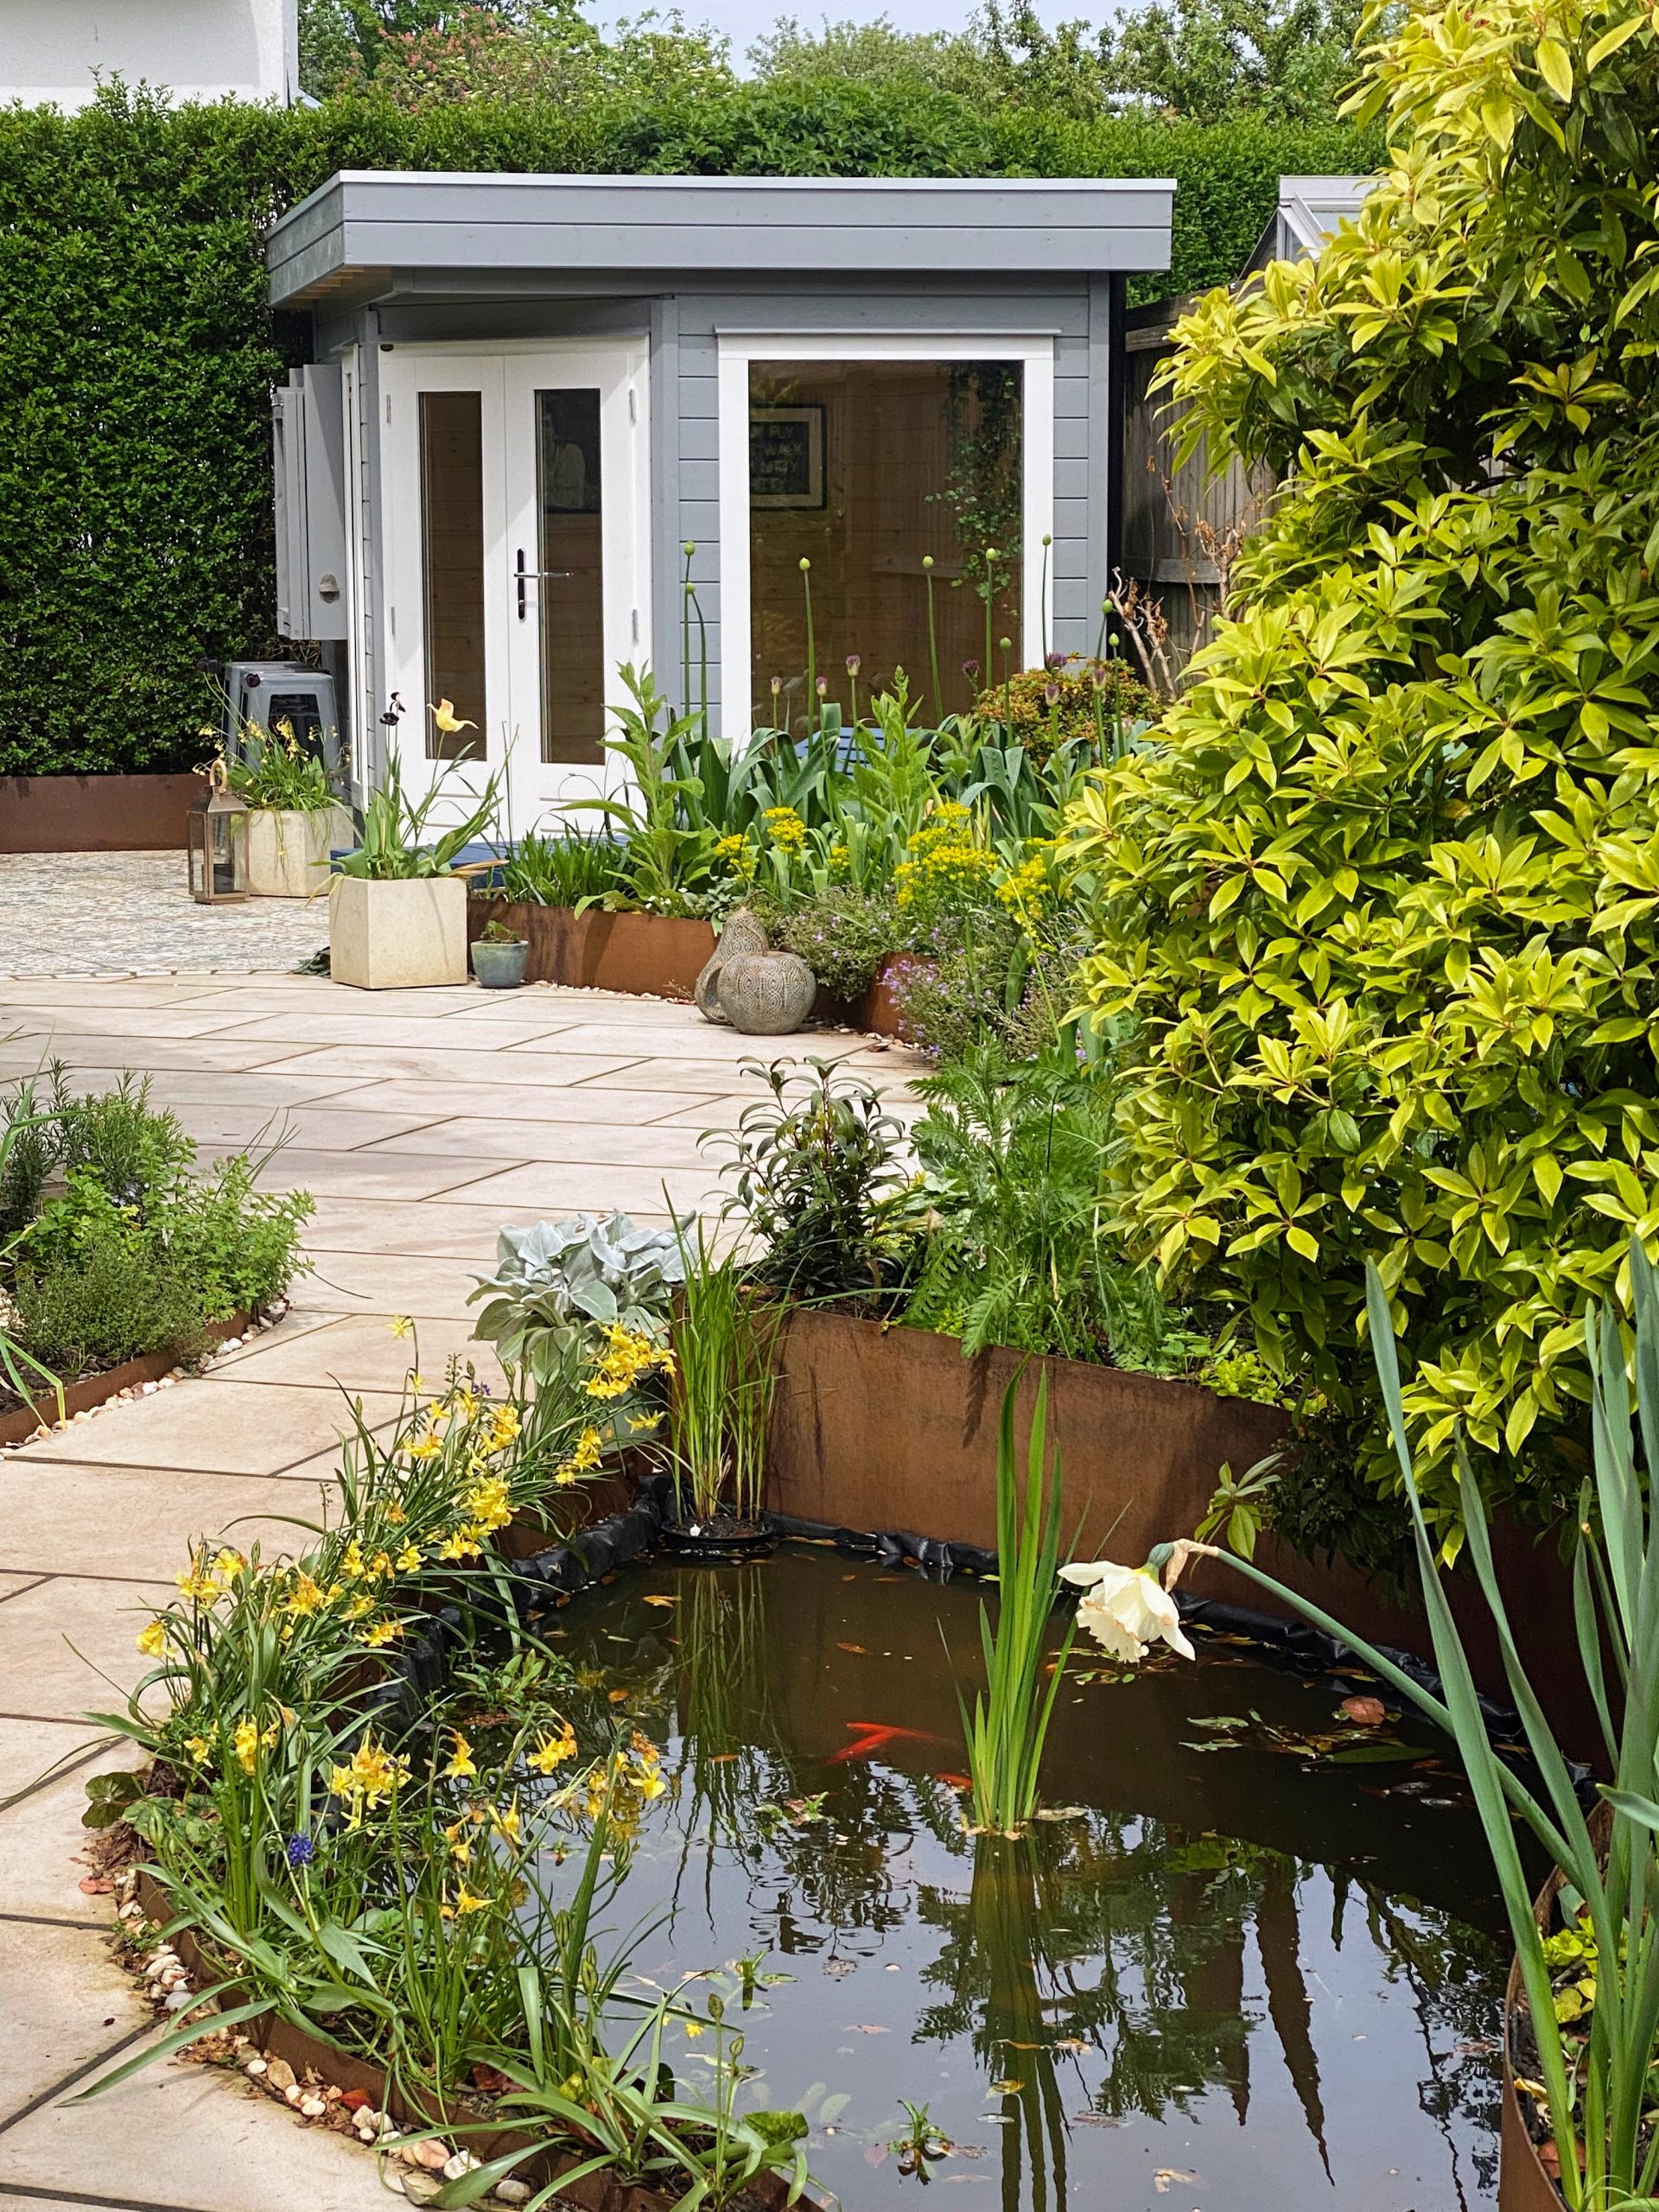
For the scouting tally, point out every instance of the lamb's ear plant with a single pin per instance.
(1008, 1727)
(1596, 2086)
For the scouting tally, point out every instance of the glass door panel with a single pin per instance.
(452, 563)
(570, 467)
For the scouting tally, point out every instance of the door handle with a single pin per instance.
(523, 575)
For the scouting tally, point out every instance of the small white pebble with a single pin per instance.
(462, 2163)
(256, 2067)
(511, 2192)
(178, 2000)
(293, 2093)
(313, 2108)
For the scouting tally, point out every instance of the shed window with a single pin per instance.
(896, 481)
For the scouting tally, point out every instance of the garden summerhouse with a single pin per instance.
(541, 407)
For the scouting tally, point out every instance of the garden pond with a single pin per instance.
(1253, 1959)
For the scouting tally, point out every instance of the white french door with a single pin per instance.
(517, 563)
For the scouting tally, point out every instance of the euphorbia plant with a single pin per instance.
(1380, 898)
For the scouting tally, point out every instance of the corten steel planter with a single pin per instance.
(95, 813)
(875, 1010)
(660, 955)
(80, 1396)
(878, 1428)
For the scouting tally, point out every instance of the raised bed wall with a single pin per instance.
(881, 1430)
(94, 814)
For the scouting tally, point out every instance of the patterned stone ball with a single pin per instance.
(766, 994)
(741, 934)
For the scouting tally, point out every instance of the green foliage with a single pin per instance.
(1381, 902)
(563, 871)
(1008, 1726)
(404, 837)
(277, 771)
(113, 1246)
(98, 1278)
(137, 349)
(557, 1287)
(818, 1185)
(843, 934)
(1042, 709)
(1595, 2064)
(1014, 1156)
(725, 1370)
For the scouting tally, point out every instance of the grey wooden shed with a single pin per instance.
(559, 423)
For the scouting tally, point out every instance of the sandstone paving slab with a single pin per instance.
(62, 1988)
(351, 1282)
(212, 1425)
(665, 1076)
(70, 1647)
(268, 1090)
(101, 1054)
(369, 1175)
(360, 1353)
(310, 1026)
(43, 1852)
(71, 1017)
(13, 1586)
(442, 1062)
(38, 1754)
(599, 1143)
(553, 1186)
(549, 1101)
(455, 1231)
(219, 1129)
(686, 1035)
(134, 1523)
(183, 2138)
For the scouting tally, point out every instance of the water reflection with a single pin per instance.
(1169, 1982)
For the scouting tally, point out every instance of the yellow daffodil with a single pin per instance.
(198, 1747)
(409, 1559)
(245, 1745)
(551, 1752)
(461, 1766)
(506, 1823)
(466, 1902)
(424, 1448)
(373, 1775)
(152, 1640)
(304, 1597)
(401, 1324)
(382, 1632)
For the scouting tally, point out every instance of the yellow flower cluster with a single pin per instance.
(373, 1774)
(735, 853)
(623, 1360)
(205, 1581)
(553, 1749)
(786, 828)
(1033, 892)
(944, 859)
(582, 1460)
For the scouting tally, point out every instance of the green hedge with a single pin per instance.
(138, 351)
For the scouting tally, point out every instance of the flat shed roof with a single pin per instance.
(363, 229)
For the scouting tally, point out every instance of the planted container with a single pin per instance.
(289, 849)
(499, 963)
(397, 933)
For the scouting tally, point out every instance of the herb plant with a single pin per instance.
(276, 771)
(404, 837)
(818, 1184)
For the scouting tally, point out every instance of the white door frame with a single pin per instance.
(737, 351)
(507, 374)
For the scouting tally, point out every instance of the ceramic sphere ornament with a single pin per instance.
(742, 934)
(766, 994)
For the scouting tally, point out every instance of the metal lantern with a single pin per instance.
(217, 841)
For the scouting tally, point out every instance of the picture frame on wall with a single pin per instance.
(787, 455)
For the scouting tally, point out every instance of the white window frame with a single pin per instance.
(1035, 354)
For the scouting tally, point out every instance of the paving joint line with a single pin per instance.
(61, 1772)
(49, 2095)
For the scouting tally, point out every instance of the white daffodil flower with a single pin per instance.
(1126, 1609)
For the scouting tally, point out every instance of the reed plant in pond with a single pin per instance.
(725, 1373)
(1008, 1726)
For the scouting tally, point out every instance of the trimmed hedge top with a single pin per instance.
(138, 350)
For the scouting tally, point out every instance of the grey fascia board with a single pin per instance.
(694, 226)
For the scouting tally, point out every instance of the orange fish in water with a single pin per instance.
(955, 1781)
(875, 1736)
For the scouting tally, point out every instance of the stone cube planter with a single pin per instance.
(288, 850)
(398, 935)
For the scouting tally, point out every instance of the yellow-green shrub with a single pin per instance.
(1385, 902)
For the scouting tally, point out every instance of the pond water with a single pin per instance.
(1250, 1978)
